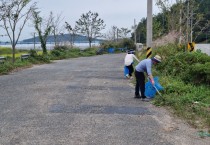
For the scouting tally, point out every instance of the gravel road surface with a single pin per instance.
(83, 101)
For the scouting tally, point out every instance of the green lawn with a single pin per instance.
(7, 52)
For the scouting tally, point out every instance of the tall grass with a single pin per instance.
(185, 77)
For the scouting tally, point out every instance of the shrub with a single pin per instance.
(199, 73)
(123, 43)
(57, 53)
(191, 67)
(127, 43)
(33, 53)
(189, 101)
(62, 48)
(6, 67)
(109, 44)
(185, 77)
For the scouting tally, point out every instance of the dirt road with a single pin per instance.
(83, 101)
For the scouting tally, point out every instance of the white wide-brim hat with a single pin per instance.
(157, 58)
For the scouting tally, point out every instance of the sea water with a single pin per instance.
(50, 46)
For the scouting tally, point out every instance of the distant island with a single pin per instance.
(63, 38)
(60, 38)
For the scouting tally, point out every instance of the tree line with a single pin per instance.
(189, 18)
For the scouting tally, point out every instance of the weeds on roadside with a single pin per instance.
(185, 77)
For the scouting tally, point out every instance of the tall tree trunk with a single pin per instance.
(90, 41)
(180, 23)
(13, 53)
(13, 47)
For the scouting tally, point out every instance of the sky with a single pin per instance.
(120, 13)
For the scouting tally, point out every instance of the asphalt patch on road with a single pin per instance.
(91, 109)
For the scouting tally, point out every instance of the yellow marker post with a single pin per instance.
(149, 52)
(191, 46)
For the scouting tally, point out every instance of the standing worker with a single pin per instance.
(128, 62)
(144, 66)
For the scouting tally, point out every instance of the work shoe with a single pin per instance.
(137, 96)
(127, 76)
(146, 99)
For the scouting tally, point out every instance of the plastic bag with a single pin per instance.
(150, 91)
(126, 71)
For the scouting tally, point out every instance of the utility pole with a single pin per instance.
(149, 23)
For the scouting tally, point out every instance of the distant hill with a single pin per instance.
(62, 38)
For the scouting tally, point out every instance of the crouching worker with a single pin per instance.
(145, 66)
(128, 62)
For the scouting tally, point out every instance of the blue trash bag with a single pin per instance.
(150, 91)
(126, 71)
(111, 50)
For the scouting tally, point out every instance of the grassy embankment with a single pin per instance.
(185, 77)
(36, 57)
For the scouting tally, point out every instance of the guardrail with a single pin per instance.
(24, 56)
(2, 59)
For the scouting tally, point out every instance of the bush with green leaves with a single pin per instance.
(62, 52)
(109, 44)
(39, 59)
(122, 43)
(33, 53)
(59, 52)
(185, 77)
(187, 101)
(6, 67)
(192, 67)
(88, 51)
(127, 43)
(199, 73)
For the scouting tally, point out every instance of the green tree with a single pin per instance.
(189, 18)
(127, 43)
(43, 28)
(15, 14)
(112, 34)
(90, 25)
(72, 33)
(56, 29)
(123, 32)
(140, 32)
(201, 20)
